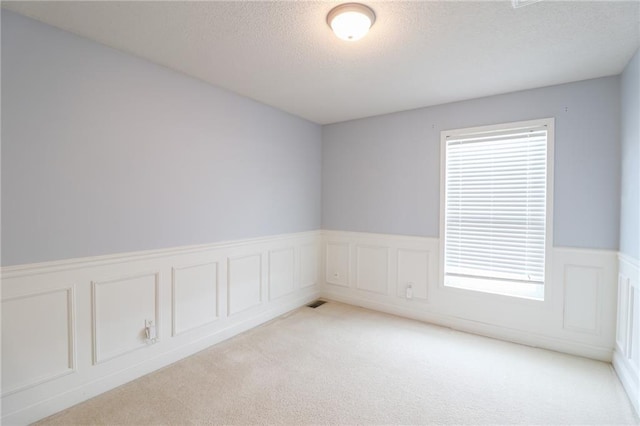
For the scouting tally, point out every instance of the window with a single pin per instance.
(497, 209)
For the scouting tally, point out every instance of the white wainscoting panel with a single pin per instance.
(413, 270)
(338, 259)
(73, 329)
(281, 272)
(634, 327)
(37, 339)
(372, 268)
(582, 298)
(121, 308)
(623, 324)
(577, 315)
(245, 283)
(195, 296)
(626, 358)
(309, 258)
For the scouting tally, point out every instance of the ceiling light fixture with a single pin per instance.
(351, 21)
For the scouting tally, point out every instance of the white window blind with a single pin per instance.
(495, 205)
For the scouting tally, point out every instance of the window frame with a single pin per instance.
(550, 124)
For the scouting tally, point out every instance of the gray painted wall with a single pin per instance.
(382, 174)
(103, 153)
(630, 124)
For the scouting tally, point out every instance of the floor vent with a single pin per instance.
(316, 304)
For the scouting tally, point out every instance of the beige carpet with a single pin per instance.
(338, 364)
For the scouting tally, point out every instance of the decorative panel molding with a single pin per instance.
(194, 296)
(338, 260)
(577, 315)
(633, 348)
(308, 265)
(281, 272)
(626, 359)
(581, 298)
(372, 268)
(244, 283)
(628, 334)
(623, 323)
(413, 269)
(64, 344)
(38, 339)
(120, 308)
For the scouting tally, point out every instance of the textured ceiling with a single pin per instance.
(417, 54)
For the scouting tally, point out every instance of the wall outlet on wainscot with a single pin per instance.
(150, 331)
(409, 291)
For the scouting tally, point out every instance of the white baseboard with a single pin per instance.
(474, 327)
(628, 378)
(197, 296)
(89, 390)
(577, 315)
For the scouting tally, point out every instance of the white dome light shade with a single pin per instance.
(351, 21)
